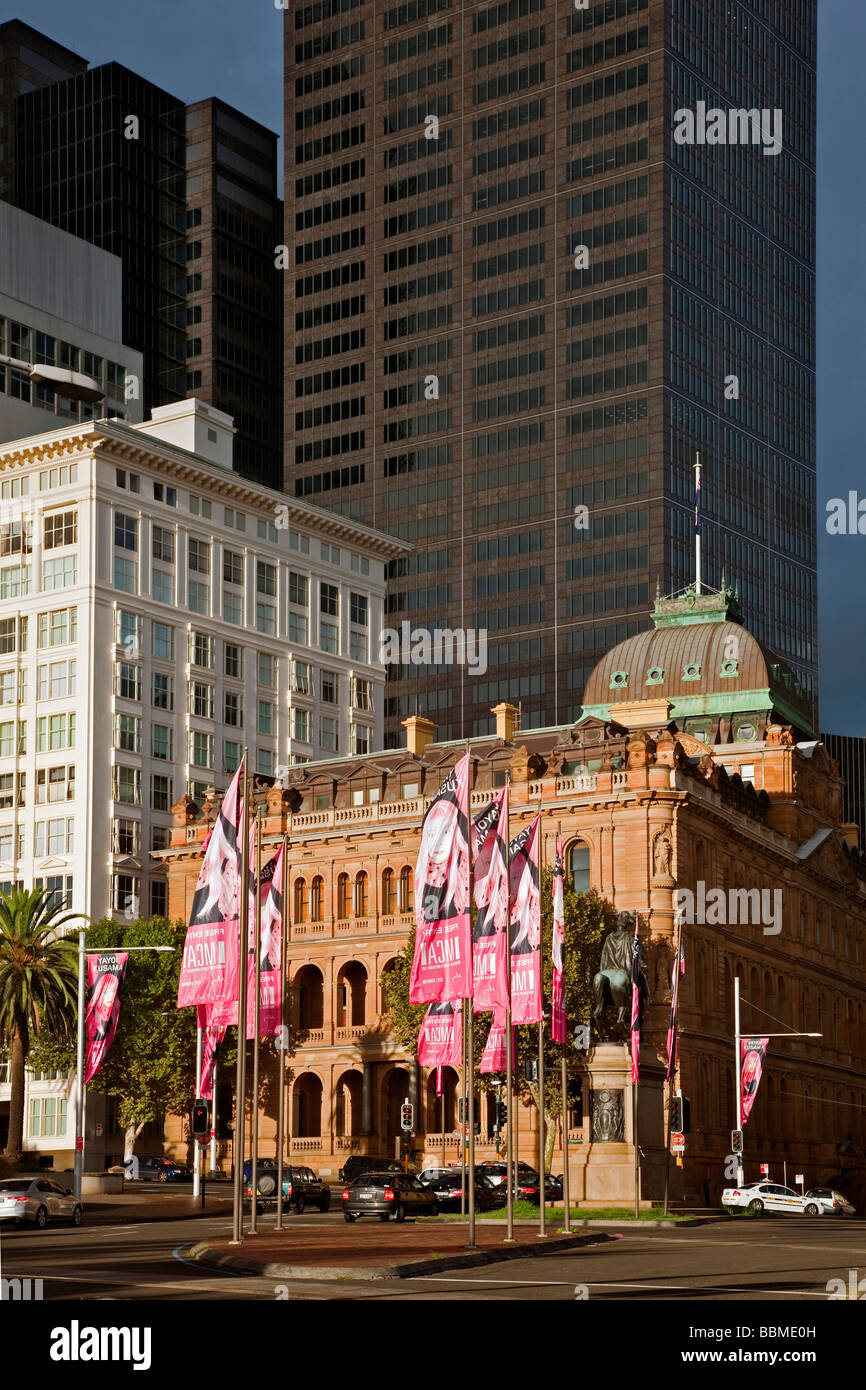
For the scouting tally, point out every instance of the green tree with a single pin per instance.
(38, 988)
(150, 1067)
(588, 918)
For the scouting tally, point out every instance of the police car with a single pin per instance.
(771, 1196)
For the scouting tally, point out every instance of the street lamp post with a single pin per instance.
(83, 953)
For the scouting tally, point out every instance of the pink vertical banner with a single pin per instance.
(442, 964)
(209, 969)
(525, 926)
(490, 891)
(105, 974)
(753, 1053)
(559, 1025)
(494, 1056)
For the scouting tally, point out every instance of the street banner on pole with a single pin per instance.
(679, 968)
(635, 1001)
(559, 1021)
(525, 926)
(105, 974)
(225, 1011)
(490, 891)
(209, 970)
(440, 1041)
(753, 1053)
(442, 964)
(494, 1057)
(211, 1038)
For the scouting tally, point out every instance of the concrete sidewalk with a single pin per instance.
(379, 1251)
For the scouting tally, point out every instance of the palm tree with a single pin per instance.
(38, 987)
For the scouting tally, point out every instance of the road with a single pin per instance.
(781, 1258)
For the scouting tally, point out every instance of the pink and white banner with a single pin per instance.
(442, 964)
(494, 1056)
(209, 970)
(440, 1041)
(105, 974)
(225, 1011)
(635, 1001)
(753, 1053)
(490, 890)
(525, 926)
(211, 1039)
(559, 1024)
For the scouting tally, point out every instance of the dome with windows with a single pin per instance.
(699, 658)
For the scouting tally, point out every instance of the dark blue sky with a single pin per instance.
(233, 49)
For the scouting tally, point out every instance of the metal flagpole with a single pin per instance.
(697, 523)
(675, 1003)
(284, 1028)
(510, 1113)
(738, 1078)
(240, 1070)
(213, 1122)
(79, 1063)
(564, 1066)
(470, 1055)
(196, 1161)
(634, 1107)
(257, 991)
(463, 1122)
(542, 1210)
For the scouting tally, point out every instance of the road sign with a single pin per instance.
(799, 1178)
(678, 1143)
(98, 1130)
(765, 1170)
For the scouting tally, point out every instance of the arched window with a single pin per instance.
(317, 899)
(359, 897)
(580, 867)
(299, 912)
(407, 889)
(388, 894)
(343, 896)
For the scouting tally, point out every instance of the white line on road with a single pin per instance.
(615, 1284)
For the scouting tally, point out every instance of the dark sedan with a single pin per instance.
(155, 1169)
(447, 1189)
(387, 1195)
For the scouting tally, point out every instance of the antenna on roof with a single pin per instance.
(697, 523)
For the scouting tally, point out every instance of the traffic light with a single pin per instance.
(200, 1117)
(407, 1117)
(463, 1113)
(681, 1115)
(736, 1141)
(501, 1114)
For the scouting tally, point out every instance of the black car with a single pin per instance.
(301, 1186)
(367, 1163)
(150, 1168)
(447, 1189)
(386, 1195)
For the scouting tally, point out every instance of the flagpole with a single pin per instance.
(510, 1116)
(257, 987)
(281, 1118)
(672, 1060)
(542, 1209)
(738, 1076)
(564, 1067)
(636, 1082)
(463, 1088)
(240, 1070)
(196, 1158)
(213, 1121)
(471, 1014)
(697, 523)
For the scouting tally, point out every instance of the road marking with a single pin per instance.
(616, 1284)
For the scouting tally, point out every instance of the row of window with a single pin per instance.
(353, 898)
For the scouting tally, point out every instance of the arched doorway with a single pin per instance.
(442, 1110)
(351, 995)
(347, 1104)
(307, 1107)
(310, 996)
(383, 982)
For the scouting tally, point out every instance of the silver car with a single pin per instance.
(38, 1201)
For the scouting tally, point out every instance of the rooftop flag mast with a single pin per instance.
(697, 523)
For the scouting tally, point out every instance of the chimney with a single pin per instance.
(507, 720)
(419, 733)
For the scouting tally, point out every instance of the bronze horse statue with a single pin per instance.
(613, 984)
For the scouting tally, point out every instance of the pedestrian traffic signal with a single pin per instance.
(200, 1117)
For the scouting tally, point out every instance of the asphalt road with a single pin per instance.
(770, 1259)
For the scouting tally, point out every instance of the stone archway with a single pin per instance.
(307, 1107)
(348, 1101)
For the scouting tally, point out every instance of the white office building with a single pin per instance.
(159, 613)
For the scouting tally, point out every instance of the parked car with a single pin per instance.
(497, 1171)
(301, 1186)
(155, 1168)
(447, 1187)
(833, 1202)
(367, 1163)
(771, 1196)
(38, 1200)
(386, 1195)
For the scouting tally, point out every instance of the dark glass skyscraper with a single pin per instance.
(102, 156)
(514, 293)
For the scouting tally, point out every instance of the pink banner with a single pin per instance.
(493, 1058)
(225, 1011)
(753, 1052)
(559, 1024)
(442, 965)
(211, 1038)
(209, 970)
(525, 926)
(635, 1001)
(490, 890)
(440, 1041)
(105, 974)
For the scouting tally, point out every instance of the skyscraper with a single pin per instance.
(525, 290)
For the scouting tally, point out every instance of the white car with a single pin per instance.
(832, 1201)
(771, 1196)
(38, 1201)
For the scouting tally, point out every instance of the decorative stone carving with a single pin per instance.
(662, 856)
(641, 750)
(607, 1117)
